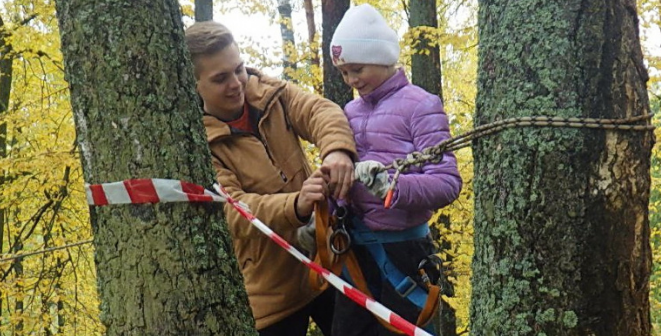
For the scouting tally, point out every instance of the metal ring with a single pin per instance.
(341, 213)
(339, 233)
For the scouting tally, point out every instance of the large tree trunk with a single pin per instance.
(334, 87)
(203, 10)
(163, 269)
(288, 39)
(426, 59)
(561, 216)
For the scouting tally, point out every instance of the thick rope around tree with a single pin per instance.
(434, 154)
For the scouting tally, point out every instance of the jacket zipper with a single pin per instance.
(263, 141)
(283, 176)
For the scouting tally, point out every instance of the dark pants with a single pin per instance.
(296, 324)
(350, 319)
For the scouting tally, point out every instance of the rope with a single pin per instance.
(434, 154)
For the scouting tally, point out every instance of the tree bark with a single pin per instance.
(203, 10)
(426, 60)
(19, 304)
(334, 87)
(315, 63)
(288, 39)
(6, 73)
(426, 73)
(446, 323)
(561, 215)
(163, 269)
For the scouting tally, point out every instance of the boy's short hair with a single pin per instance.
(207, 38)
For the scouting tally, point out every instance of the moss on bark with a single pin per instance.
(561, 228)
(163, 269)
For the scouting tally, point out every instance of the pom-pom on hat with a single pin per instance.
(364, 37)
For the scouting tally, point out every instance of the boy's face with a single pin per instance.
(365, 78)
(222, 82)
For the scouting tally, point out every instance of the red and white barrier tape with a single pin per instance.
(138, 191)
(160, 190)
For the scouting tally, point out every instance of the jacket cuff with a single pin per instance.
(348, 148)
(290, 211)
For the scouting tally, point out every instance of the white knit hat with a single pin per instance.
(364, 37)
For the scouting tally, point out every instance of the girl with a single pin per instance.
(390, 118)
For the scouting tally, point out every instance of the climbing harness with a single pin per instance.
(425, 297)
(342, 260)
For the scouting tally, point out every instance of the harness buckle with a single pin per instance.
(430, 264)
(405, 287)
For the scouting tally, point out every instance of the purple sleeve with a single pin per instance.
(435, 185)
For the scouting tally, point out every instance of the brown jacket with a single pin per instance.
(266, 172)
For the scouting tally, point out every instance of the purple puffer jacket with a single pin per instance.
(396, 119)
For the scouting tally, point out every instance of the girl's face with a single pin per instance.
(365, 78)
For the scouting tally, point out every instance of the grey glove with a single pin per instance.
(306, 237)
(374, 176)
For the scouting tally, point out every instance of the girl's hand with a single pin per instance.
(374, 176)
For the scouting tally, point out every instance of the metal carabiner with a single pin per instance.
(338, 235)
(430, 264)
(340, 240)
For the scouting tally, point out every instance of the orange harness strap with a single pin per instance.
(324, 224)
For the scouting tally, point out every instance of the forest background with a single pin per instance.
(42, 201)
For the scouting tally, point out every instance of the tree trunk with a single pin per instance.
(334, 87)
(203, 10)
(561, 215)
(447, 321)
(426, 73)
(288, 39)
(19, 304)
(6, 73)
(426, 59)
(163, 269)
(312, 41)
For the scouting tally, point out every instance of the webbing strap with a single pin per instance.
(324, 256)
(336, 263)
(355, 275)
(373, 242)
(405, 286)
(362, 235)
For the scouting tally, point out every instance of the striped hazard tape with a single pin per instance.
(139, 191)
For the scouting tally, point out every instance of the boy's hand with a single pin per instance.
(339, 167)
(314, 189)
